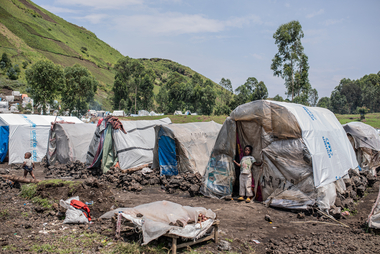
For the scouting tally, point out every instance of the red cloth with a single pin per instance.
(116, 124)
(99, 122)
(81, 206)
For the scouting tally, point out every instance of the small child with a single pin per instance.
(28, 165)
(245, 178)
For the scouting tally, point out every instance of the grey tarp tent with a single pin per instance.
(132, 149)
(366, 142)
(181, 148)
(304, 151)
(69, 142)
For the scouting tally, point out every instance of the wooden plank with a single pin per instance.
(195, 242)
(131, 170)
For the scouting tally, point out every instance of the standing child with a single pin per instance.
(245, 178)
(28, 165)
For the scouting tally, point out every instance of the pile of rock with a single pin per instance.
(135, 181)
(76, 170)
(356, 186)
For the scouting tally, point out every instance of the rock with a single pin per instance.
(361, 190)
(338, 202)
(348, 203)
(55, 207)
(136, 187)
(300, 216)
(348, 182)
(193, 190)
(224, 245)
(144, 182)
(336, 212)
(267, 218)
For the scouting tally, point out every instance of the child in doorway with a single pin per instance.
(245, 178)
(28, 165)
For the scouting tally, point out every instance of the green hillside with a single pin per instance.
(29, 33)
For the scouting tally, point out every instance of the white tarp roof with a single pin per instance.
(136, 147)
(331, 151)
(29, 133)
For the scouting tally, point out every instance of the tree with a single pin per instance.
(260, 92)
(338, 102)
(79, 89)
(44, 80)
(13, 72)
(5, 62)
(278, 98)
(146, 88)
(290, 56)
(313, 97)
(353, 93)
(207, 100)
(324, 102)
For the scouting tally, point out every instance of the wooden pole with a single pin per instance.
(20, 179)
(131, 170)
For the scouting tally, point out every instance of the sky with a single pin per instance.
(234, 39)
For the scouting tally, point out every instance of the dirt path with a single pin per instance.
(240, 223)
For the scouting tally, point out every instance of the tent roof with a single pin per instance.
(364, 135)
(21, 119)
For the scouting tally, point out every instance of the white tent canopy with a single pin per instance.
(69, 142)
(29, 133)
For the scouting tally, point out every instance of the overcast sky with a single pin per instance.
(234, 39)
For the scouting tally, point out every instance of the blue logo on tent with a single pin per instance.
(328, 147)
(30, 121)
(309, 113)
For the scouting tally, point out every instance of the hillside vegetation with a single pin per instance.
(29, 33)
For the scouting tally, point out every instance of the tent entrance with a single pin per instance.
(167, 154)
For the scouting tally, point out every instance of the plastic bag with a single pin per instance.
(73, 215)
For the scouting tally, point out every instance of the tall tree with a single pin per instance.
(44, 80)
(324, 102)
(260, 92)
(79, 89)
(290, 56)
(5, 62)
(251, 90)
(313, 97)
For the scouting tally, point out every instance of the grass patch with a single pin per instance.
(372, 119)
(4, 213)
(28, 190)
(42, 202)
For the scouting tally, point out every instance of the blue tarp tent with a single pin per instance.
(4, 139)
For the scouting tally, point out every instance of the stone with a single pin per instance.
(301, 216)
(267, 218)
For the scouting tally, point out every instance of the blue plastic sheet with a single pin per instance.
(167, 155)
(4, 139)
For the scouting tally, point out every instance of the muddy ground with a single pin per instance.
(22, 221)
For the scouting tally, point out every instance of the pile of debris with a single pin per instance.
(135, 181)
(76, 170)
(356, 187)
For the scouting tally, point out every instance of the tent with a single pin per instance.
(69, 142)
(132, 149)
(26, 133)
(184, 147)
(304, 151)
(366, 143)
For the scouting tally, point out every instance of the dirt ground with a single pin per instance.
(23, 228)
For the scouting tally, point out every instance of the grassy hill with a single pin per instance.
(29, 33)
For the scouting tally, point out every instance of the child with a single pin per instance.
(28, 165)
(245, 178)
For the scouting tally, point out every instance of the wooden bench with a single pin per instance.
(215, 235)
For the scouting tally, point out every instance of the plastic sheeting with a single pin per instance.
(302, 148)
(193, 145)
(158, 215)
(4, 136)
(29, 133)
(366, 142)
(69, 142)
(73, 215)
(374, 217)
(136, 147)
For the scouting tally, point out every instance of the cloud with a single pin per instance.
(330, 22)
(100, 4)
(316, 13)
(257, 56)
(287, 5)
(93, 18)
(180, 23)
(54, 9)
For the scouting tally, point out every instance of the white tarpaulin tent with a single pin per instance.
(132, 149)
(184, 147)
(29, 133)
(304, 151)
(69, 142)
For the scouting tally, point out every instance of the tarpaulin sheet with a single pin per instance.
(167, 155)
(69, 142)
(4, 138)
(136, 147)
(29, 133)
(331, 152)
(193, 144)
